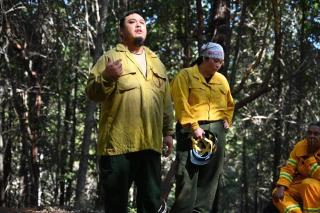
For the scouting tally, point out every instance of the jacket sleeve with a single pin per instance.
(230, 107)
(180, 95)
(98, 88)
(287, 171)
(168, 112)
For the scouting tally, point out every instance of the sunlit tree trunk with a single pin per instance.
(90, 121)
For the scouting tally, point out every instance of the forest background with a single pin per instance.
(48, 128)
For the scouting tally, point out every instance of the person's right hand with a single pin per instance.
(199, 133)
(279, 193)
(113, 69)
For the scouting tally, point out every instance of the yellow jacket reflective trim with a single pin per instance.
(292, 162)
(136, 111)
(314, 168)
(290, 208)
(286, 176)
(296, 164)
(311, 209)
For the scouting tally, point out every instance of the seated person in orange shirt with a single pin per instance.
(298, 187)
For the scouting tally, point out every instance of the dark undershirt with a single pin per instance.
(208, 79)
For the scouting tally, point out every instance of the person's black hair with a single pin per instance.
(315, 124)
(128, 13)
(198, 61)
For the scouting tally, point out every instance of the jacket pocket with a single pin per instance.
(198, 94)
(158, 80)
(127, 82)
(182, 158)
(158, 86)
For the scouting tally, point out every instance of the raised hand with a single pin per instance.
(113, 69)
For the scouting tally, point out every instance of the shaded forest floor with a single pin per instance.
(42, 210)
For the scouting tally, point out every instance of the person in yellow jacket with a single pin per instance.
(298, 187)
(136, 118)
(203, 102)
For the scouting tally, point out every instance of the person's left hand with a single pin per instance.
(168, 145)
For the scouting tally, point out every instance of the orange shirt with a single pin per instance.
(300, 165)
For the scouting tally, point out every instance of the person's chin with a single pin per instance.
(139, 40)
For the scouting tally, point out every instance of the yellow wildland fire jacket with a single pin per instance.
(300, 165)
(136, 112)
(197, 100)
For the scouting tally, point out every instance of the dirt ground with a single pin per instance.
(36, 210)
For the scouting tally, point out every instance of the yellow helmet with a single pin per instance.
(203, 149)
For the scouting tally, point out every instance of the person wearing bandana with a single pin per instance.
(298, 187)
(203, 104)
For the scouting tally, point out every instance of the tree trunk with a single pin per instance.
(83, 167)
(237, 45)
(58, 144)
(65, 141)
(185, 34)
(2, 151)
(72, 148)
(276, 57)
(244, 187)
(257, 149)
(219, 28)
(90, 110)
(301, 79)
(200, 29)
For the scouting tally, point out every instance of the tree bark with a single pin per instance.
(219, 29)
(2, 151)
(237, 45)
(277, 69)
(244, 187)
(201, 28)
(90, 110)
(72, 148)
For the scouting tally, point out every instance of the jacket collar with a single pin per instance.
(303, 150)
(149, 56)
(197, 75)
(122, 48)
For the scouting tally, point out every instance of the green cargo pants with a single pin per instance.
(196, 186)
(117, 174)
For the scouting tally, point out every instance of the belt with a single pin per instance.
(208, 122)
